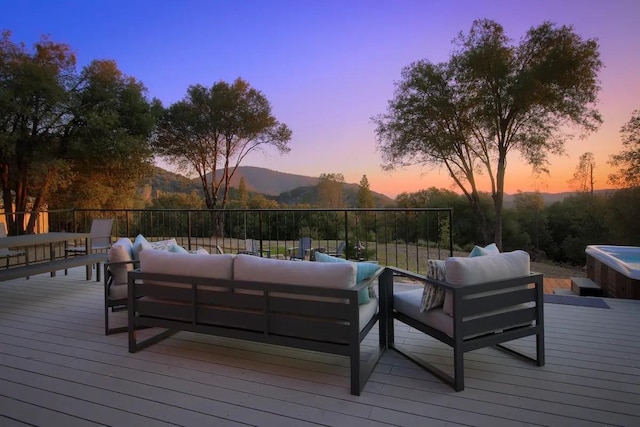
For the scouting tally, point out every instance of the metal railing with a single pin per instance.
(404, 238)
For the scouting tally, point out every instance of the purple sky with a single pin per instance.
(328, 66)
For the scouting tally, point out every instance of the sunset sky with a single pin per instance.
(328, 66)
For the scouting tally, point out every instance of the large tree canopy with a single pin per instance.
(216, 128)
(628, 160)
(66, 136)
(331, 190)
(490, 99)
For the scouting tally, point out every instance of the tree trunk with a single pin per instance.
(498, 197)
(477, 209)
(7, 199)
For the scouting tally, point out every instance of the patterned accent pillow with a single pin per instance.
(433, 296)
(163, 245)
(141, 243)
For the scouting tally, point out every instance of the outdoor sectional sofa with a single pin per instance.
(306, 305)
(482, 301)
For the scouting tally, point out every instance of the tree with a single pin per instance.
(530, 213)
(259, 201)
(582, 180)
(574, 223)
(628, 161)
(243, 194)
(365, 197)
(330, 190)
(218, 127)
(623, 211)
(491, 99)
(177, 201)
(60, 128)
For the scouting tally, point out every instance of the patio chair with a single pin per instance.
(9, 253)
(304, 247)
(252, 247)
(485, 301)
(100, 240)
(339, 250)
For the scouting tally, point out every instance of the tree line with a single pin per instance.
(559, 231)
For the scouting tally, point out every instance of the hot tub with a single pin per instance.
(616, 269)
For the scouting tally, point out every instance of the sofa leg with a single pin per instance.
(540, 349)
(355, 374)
(458, 369)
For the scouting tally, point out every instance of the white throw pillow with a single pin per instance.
(141, 243)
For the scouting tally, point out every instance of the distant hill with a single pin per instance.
(285, 188)
(309, 195)
(268, 182)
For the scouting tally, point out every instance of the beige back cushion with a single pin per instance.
(120, 252)
(325, 274)
(197, 265)
(468, 271)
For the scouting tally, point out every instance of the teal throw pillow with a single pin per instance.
(140, 244)
(490, 249)
(364, 270)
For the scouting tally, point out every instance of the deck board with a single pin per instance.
(57, 368)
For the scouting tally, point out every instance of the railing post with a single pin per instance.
(260, 230)
(128, 219)
(346, 235)
(450, 232)
(189, 230)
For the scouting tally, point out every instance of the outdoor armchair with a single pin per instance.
(484, 301)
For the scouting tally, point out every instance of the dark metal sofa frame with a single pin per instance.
(473, 334)
(263, 312)
(111, 304)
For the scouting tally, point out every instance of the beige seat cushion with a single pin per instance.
(410, 302)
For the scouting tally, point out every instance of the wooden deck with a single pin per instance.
(553, 283)
(58, 369)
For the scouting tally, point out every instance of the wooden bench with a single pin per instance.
(53, 266)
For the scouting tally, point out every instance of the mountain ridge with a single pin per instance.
(288, 187)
